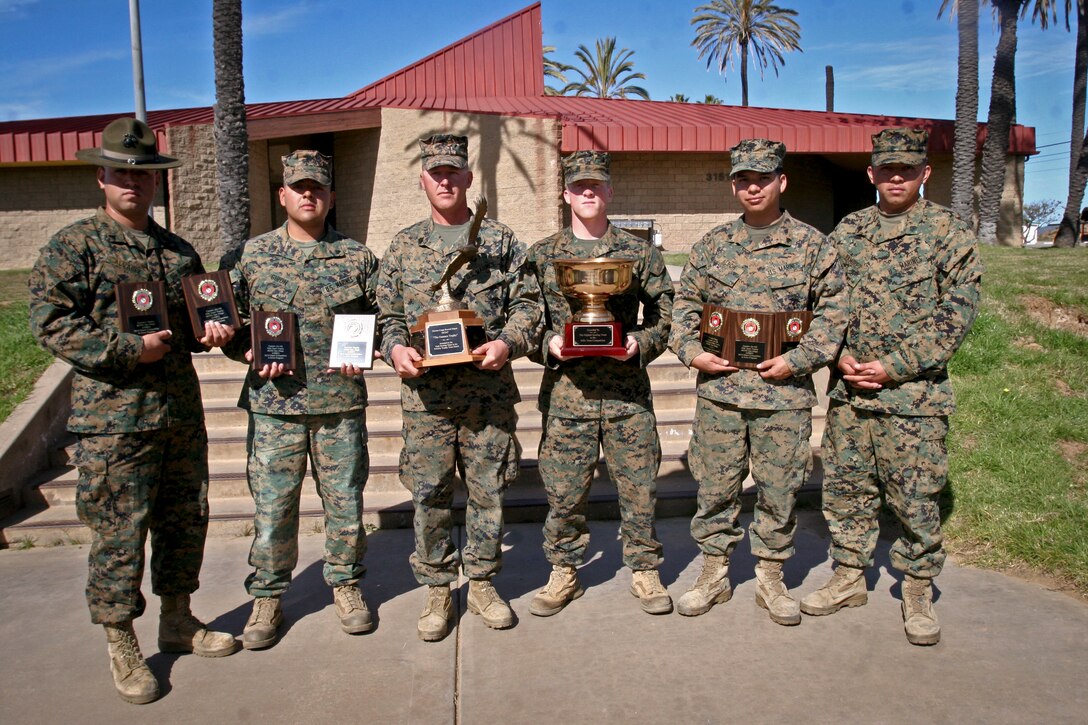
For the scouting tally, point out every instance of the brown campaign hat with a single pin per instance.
(128, 143)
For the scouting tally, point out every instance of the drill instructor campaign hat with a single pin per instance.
(128, 144)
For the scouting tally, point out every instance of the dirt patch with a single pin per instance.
(1055, 317)
(1063, 387)
(1026, 343)
(1075, 454)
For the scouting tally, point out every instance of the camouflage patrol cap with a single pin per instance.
(444, 149)
(900, 146)
(299, 165)
(587, 165)
(757, 154)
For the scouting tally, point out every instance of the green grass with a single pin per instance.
(677, 258)
(1018, 464)
(23, 360)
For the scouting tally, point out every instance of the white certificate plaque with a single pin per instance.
(353, 341)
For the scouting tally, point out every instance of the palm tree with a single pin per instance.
(554, 69)
(229, 128)
(966, 129)
(711, 100)
(679, 98)
(606, 73)
(1002, 109)
(726, 28)
(1068, 229)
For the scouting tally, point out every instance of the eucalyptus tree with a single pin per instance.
(725, 29)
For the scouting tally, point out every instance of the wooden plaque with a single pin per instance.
(273, 339)
(750, 338)
(593, 339)
(210, 298)
(448, 338)
(712, 329)
(791, 327)
(141, 307)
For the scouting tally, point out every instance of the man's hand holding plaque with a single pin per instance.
(593, 331)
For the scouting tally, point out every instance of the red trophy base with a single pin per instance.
(593, 339)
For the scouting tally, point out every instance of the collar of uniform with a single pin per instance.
(908, 223)
(608, 243)
(330, 245)
(282, 246)
(116, 230)
(430, 240)
(779, 236)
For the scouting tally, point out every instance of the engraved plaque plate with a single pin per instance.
(353, 341)
(750, 338)
(141, 307)
(273, 339)
(210, 298)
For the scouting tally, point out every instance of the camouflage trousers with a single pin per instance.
(480, 442)
(724, 439)
(133, 483)
(336, 445)
(865, 452)
(569, 452)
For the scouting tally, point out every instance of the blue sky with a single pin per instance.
(72, 57)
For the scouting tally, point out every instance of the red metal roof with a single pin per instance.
(500, 70)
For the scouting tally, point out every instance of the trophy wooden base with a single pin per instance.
(448, 338)
(593, 339)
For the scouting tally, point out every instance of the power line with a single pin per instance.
(1048, 145)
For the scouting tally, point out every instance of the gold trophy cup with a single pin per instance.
(593, 331)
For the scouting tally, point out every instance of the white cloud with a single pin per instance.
(275, 23)
(14, 6)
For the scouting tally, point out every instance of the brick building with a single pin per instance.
(670, 160)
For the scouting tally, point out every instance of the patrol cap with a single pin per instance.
(299, 165)
(128, 143)
(757, 154)
(444, 149)
(900, 146)
(587, 165)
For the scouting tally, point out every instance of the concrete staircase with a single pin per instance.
(50, 518)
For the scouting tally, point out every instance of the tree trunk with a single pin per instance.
(231, 138)
(744, 73)
(1002, 111)
(1069, 229)
(966, 133)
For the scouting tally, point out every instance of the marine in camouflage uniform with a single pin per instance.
(764, 261)
(142, 452)
(590, 403)
(457, 416)
(309, 269)
(912, 271)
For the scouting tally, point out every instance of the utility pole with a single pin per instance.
(137, 59)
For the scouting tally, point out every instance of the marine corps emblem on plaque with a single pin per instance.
(273, 326)
(749, 327)
(142, 299)
(794, 326)
(715, 320)
(207, 289)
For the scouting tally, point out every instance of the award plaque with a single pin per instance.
(273, 339)
(447, 334)
(352, 341)
(210, 298)
(750, 338)
(141, 307)
(593, 330)
(712, 329)
(791, 327)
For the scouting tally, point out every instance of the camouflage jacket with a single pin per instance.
(273, 273)
(912, 297)
(794, 268)
(74, 315)
(602, 387)
(496, 285)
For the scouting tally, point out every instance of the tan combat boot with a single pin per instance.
(263, 623)
(562, 588)
(351, 609)
(919, 620)
(131, 675)
(772, 594)
(434, 621)
(485, 601)
(845, 588)
(180, 631)
(646, 585)
(712, 587)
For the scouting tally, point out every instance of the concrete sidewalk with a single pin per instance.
(1011, 651)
